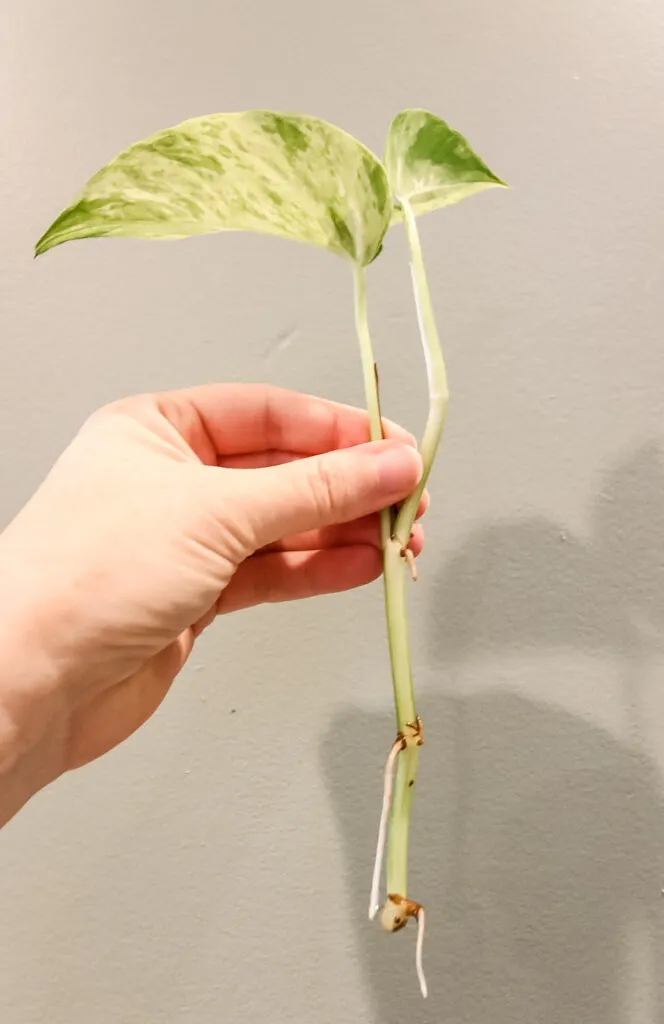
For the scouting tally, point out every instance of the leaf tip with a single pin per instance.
(49, 239)
(41, 246)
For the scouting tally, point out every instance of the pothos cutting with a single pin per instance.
(303, 179)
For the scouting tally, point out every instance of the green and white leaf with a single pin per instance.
(429, 165)
(282, 174)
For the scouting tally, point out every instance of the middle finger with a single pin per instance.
(360, 532)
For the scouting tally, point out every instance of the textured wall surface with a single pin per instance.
(216, 867)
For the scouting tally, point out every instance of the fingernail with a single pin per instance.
(399, 469)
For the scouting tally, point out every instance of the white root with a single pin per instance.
(410, 562)
(388, 781)
(418, 953)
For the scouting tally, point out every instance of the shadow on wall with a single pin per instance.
(531, 584)
(541, 858)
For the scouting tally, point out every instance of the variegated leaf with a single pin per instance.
(429, 165)
(289, 175)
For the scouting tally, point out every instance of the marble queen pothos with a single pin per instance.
(303, 179)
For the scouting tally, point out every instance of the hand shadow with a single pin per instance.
(538, 837)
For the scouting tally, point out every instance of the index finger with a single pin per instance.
(236, 419)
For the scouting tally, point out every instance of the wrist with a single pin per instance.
(33, 708)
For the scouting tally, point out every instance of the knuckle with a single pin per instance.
(108, 418)
(130, 405)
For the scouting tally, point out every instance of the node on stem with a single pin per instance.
(396, 913)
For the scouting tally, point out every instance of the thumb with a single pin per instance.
(323, 490)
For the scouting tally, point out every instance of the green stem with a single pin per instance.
(394, 579)
(397, 847)
(396, 610)
(394, 583)
(396, 613)
(370, 376)
(436, 374)
(397, 854)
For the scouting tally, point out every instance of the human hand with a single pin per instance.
(165, 511)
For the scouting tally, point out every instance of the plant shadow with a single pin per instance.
(538, 836)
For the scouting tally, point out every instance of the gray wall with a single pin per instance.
(216, 867)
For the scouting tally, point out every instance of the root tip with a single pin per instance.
(418, 954)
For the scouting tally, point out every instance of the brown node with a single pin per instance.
(400, 740)
(414, 732)
(397, 910)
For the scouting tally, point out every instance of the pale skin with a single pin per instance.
(166, 511)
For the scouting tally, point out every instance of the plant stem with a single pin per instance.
(397, 856)
(394, 580)
(397, 846)
(436, 374)
(370, 376)
(395, 537)
(394, 583)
